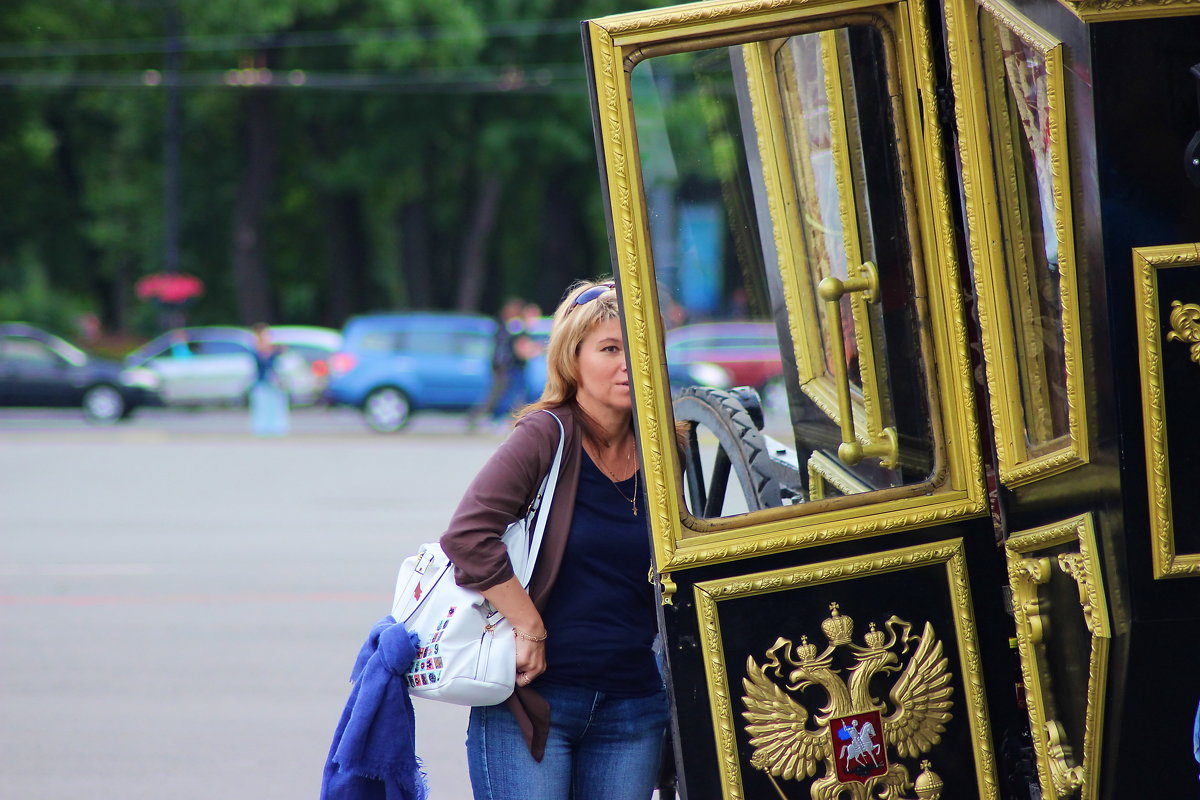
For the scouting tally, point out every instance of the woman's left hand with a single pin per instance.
(531, 660)
(511, 600)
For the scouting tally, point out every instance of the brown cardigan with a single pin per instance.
(497, 497)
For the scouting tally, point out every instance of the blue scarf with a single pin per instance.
(373, 755)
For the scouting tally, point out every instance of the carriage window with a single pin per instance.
(1016, 172)
(779, 230)
(1018, 103)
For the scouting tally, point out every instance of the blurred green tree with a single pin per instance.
(336, 155)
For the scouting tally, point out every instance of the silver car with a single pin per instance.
(315, 344)
(216, 365)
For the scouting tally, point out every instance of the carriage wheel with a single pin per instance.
(741, 451)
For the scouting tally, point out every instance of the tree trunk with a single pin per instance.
(251, 278)
(415, 260)
(564, 256)
(346, 251)
(473, 273)
(114, 293)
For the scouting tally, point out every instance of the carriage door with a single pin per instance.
(781, 222)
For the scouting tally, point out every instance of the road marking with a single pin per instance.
(76, 570)
(94, 570)
(194, 599)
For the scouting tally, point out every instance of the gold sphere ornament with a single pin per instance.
(928, 784)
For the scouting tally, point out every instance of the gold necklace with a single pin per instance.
(632, 500)
(609, 472)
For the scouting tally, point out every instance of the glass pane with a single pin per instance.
(29, 351)
(800, 68)
(800, 128)
(1019, 111)
(219, 349)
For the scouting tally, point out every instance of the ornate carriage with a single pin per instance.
(944, 548)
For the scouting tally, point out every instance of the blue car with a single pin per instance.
(392, 365)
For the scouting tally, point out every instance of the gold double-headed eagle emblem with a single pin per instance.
(854, 730)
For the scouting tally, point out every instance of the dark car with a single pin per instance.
(40, 369)
(393, 364)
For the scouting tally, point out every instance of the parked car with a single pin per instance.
(215, 365)
(38, 368)
(746, 352)
(394, 364)
(314, 344)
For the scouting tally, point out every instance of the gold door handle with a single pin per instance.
(831, 290)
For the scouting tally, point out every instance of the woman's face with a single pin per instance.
(603, 377)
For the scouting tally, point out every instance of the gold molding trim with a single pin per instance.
(987, 214)
(956, 488)
(709, 594)
(1147, 261)
(1108, 10)
(822, 469)
(1059, 772)
(693, 18)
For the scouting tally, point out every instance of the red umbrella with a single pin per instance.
(171, 288)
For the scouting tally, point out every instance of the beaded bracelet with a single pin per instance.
(523, 635)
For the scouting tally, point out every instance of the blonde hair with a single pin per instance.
(572, 324)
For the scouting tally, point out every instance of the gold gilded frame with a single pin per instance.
(987, 218)
(681, 541)
(1146, 263)
(1108, 10)
(1057, 771)
(709, 594)
(788, 183)
(823, 469)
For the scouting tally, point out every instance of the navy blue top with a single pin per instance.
(265, 365)
(600, 614)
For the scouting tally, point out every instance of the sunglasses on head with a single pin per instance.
(591, 294)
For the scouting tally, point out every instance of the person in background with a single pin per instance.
(588, 718)
(268, 397)
(179, 344)
(508, 368)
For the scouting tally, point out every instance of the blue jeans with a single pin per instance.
(599, 748)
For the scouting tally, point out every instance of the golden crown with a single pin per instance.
(876, 639)
(838, 629)
(806, 650)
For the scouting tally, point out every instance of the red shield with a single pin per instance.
(858, 748)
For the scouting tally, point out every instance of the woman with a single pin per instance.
(589, 714)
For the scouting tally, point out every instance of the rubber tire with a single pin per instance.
(103, 404)
(723, 414)
(387, 410)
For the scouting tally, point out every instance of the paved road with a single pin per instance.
(181, 603)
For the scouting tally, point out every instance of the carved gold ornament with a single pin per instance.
(1066, 767)
(1185, 326)
(853, 731)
